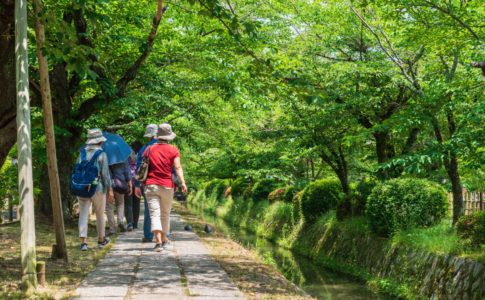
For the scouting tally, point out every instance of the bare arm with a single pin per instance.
(180, 173)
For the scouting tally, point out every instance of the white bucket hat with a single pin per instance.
(151, 130)
(95, 136)
(165, 132)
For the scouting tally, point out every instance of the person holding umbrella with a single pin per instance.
(118, 152)
(159, 183)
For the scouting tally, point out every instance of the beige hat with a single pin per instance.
(151, 130)
(165, 132)
(95, 136)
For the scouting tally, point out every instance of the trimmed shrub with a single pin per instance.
(278, 221)
(239, 186)
(401, 204)
(472, 228)
(248, 191)
(216, 186)
(297, 198)
(262, 188)
(297, 205)
(209, 186)
(276, 195)
(290, 192)
(319, 197)
(362, 192)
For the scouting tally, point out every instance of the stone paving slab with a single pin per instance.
(132, 270)
(204, 276)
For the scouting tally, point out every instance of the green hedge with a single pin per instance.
(401, 204)
(319, 197)
(362, 191)
(262, 188)
(290, 192)
(216, 186)
(239, 185)
(278, 221)
(276, 195)
(472, 228)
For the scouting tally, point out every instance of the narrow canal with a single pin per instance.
(316, 281)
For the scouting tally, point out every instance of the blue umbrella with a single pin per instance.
(116, 148)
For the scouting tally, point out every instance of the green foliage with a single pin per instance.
(238, 186)
(440, 238)
(297, 197)
(319, 197)
(276, 195)
(472, 228)
(363, 190)
(290, 192)
(401, 204)
(9, 182)
(262, 188)
(216, 187)
(278, 221)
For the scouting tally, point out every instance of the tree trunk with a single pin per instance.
(66, 142)
(50, 137)
(336, 161)
(8, 132)
(450, 163)
(344, 209)
(384, 151)
(26, 184)
(456, 187)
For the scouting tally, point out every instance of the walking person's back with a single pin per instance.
(92, 158)
(121, 180)
(159, 183)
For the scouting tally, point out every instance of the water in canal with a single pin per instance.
(316, 281)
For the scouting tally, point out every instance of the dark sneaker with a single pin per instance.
(122, 228)
(84, 247)
(130, 227)
(103, 243)
(157, 248)
(110, 233)
(146, 240)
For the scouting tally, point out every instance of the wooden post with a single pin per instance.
(40, 268)
(26, 185)
(50, 136)
(10, 208)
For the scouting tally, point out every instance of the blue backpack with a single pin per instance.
(85, 176)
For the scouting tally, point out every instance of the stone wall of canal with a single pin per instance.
(430, 275)
(426, 275)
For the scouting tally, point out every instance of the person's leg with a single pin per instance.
(153, 198)
(166, 197)
(84, 205)
(120, 210)
(129, 210)
(99, 205)
(147, 231)
(135, 209)
(110, 213)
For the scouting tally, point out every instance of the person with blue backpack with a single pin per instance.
(91, 183)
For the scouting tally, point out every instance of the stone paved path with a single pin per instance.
(132, 270)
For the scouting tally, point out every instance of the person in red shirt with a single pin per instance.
(159, 186)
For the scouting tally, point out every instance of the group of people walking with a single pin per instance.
(108, 187)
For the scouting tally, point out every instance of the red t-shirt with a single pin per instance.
(161, 163)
